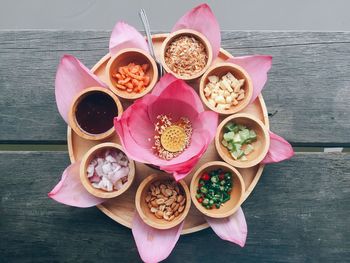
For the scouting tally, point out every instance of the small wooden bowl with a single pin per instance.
(220, 70)
(261, 145)
(237, 193)
(147, 216)
(192, 33)
(73, 123)
(123, 58)
(86, 161)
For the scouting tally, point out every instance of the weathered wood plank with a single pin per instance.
(299, 212)
(309, 84)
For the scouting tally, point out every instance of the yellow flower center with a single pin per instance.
(173, 139)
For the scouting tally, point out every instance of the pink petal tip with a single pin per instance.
(70, 191)
(257, 67)
(202, 19)
(279, 150)
(232, 228)
(126, 36)
(154, 245)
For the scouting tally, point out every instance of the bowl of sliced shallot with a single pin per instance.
(106, 171)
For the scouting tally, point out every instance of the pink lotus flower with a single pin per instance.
(171, 97)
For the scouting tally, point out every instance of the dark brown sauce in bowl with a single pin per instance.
(95, 112)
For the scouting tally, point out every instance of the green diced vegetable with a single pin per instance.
(235, 139)
(231, 127)
(237, 154)
(214, 179)
(204, 190)
(211, 192)
(237, 146)
(252, 134)
(248, 141)
(244, 158)
(228, 136)
(244, 134)
(248, 149)
(241, 127)
(230, 146)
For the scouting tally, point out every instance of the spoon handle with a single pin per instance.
(146, 26)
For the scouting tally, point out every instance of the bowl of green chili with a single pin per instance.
(217, 189)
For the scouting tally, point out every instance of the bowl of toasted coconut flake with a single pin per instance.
(186, 54)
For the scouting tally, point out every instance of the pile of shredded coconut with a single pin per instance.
(109, 171)
(186, 56)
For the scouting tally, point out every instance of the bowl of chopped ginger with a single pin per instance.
(131, 73)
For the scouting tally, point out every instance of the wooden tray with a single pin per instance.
(122, 208)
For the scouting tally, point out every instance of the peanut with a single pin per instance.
(181, 208)
(160, 201)
(168, 192)
(165, 200)
(179, 198)
(153, 209)
(159, 214)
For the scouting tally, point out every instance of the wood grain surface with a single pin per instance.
(299, 212)
(308, 87)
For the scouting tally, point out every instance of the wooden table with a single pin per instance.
(299, 211)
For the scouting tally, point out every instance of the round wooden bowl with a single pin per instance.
(220, 70)
(147, 216)
(86, 161)
(237, 193)
(192, 33)
(123, 58)
(261, 145)
(72, 117)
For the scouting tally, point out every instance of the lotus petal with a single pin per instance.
(232, 228)
(70, 191)
(71, 78)
(202, 19)
(257, 67)
(154, 245)
(126, 36)
(279, 150)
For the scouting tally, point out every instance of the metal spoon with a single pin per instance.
(146, 26)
